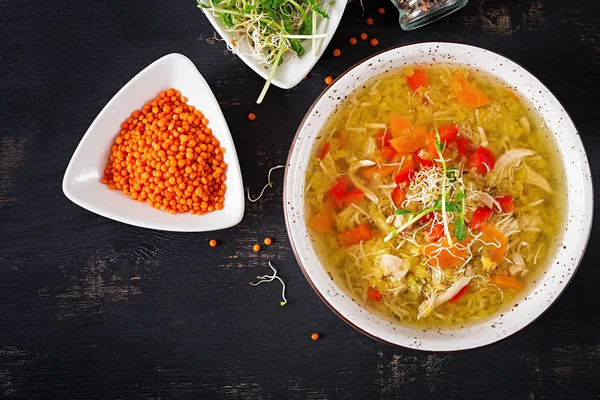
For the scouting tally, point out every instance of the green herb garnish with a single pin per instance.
(457, 206)
(402, 212)
(272, 28)
(390, 235)
(460, 230)
(452, 174)
(439, 145)
(450, 206)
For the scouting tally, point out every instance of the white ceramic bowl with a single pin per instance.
(81, 183)
(294, 69)
(579, 205)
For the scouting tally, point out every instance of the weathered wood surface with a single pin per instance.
(91, 308)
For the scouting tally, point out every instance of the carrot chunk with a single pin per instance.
(507, 282)
(410, 141)
(322, 221)
(356, 235)
(399, 125)
(499, 242)
(467, 93)
(443, 256)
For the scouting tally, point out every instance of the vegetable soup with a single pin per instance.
(434, 195)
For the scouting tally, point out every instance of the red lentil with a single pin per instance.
(166, 155)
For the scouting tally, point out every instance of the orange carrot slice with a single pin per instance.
(443, 256)
(507, 282)
(410, 141)
(322, 221)
(467, 93)
(512, 95)
(399, 125)
(499, 245)
(356, 235)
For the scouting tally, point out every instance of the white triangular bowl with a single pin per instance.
(81, 183)
(294, 69)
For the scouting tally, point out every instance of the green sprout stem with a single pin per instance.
(271, 74)
(440, 150)
(408, 223)
(292, 2)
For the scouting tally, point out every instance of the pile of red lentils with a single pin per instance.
(167, 156)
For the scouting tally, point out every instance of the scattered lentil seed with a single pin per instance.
(353, 41)
(256, 248)
(337, 52)
(314, 336)
(268, 241)
(364, 36)
(370, 21)
(212, 243)
(329, 80)
(381, 10)
(374, 42)
(251, 116)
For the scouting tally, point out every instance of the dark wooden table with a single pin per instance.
(92, 308)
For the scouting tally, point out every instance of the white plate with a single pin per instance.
(81, 183)
(561, 266)
(294, 69)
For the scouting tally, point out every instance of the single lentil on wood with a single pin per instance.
(167, 156)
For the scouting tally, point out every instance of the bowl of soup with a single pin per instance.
(438, 197)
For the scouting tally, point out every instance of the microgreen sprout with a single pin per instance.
(272, 28)
(270, 184)
(402, 212)
(271, 278)
(460, 230)
(439, 146)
